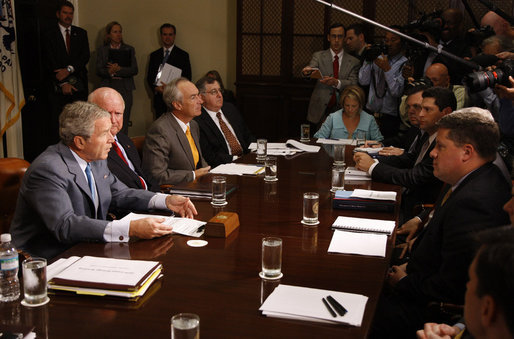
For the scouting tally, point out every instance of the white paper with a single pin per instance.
(59, 266)
(169, 73)
(302, 146)
(238, 169)
(377, 195)
(182, 226)
(358, 243)
(107, 270)
(369, 150)
(305, 303)
(364, 224)
(336, 141)
(269, 145)
(352, 173)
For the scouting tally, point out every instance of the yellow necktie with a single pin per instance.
(194, 150)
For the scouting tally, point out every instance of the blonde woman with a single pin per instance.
(344, 123)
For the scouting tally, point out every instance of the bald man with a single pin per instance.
(123, 159)
(438, 74)
(500, 25)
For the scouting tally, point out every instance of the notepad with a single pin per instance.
(358, 243)
(364, 225)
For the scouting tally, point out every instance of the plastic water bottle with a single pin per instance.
(9, 284)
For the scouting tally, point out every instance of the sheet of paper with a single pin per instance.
(169, 73)
(238, 169)
(305, 303)
(302, 146)
(269, 145)
(364, 224)
(358, 243)
(58, 266)
(182, 226)
(369, 150)
(352, 173)
(377, 195)
(336, 141)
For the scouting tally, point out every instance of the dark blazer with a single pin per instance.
(55, 209)
(419, 180)
(214, 146)
(167, 156)
(404, 140)
(178, 58)
(126, 73)
(121, 170)
(55, 55)
(442, 253)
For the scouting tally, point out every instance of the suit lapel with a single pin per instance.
(75, 170)
(344, 69)
(181, 136)
(214, 128)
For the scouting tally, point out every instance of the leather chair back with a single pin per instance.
(11, 174)
(138, 142)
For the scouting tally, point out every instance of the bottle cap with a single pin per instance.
(6, 237)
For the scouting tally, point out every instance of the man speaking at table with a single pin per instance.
(66, 192)
(476, 192)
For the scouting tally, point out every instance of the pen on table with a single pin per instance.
(329, 308)
(337, 306)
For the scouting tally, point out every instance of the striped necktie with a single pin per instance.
(192, 144)
(235, 148)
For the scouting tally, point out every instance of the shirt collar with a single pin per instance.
(181, 123)
(82, 163)
(340, 54)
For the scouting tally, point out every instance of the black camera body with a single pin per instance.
(476, 36)
(478, 81)
(373, 51)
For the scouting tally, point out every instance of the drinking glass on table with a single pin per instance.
(270, 169)
(185, 326)
(310, 208)
(262, 149)
(271, 258)
(219, 191)
(305, 133)
(34, 282)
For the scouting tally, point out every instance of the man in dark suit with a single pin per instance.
(171, 153)
(65, 56)
(66, 192)
(414, 170)
(223, 134)
(436, 271)
(339, 69)
(170, 54)
(123, 160)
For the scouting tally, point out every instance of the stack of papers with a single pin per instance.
(358, 243)
(369, 150)
(336, 141)
(376, 195)
(364, 225)
(182, 226)
(352, 173)
(303, 303)
(286, 148)
(238, 169)
(97, 276)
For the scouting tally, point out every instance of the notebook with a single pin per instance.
(364, 225)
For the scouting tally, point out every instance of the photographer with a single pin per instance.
(383, 75)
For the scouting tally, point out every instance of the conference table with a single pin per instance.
(220, 281)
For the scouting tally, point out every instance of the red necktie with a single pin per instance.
(120, 153)
(68, 40)
(335, 66)
(235, 148)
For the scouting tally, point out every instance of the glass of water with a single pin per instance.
(271, 258)
(337, 178)
(219, 191)
(310, 208)
(305, 133)
(185, 326)
(262, 149)
(34, 282)
(270, 169)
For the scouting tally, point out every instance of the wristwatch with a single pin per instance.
(69, 69)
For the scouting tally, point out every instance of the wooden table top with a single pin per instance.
(220, 281)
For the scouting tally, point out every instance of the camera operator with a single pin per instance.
(383, 75)
(500, 25)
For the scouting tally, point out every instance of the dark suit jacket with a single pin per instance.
(404, 140)
(126, 73)
(55, 209)
(55, 55)
(178, 58)
(167, 156)
(419, 180)
(214, 146)
(437, 269)
(121, 170)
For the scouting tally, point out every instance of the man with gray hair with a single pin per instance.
(471, 201)
(67, 191)
(172, 154)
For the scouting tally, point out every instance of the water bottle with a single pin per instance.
(9, 284)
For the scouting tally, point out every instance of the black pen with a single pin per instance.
(337, 306)
(329, 308)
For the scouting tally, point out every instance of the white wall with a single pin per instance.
(206, 29)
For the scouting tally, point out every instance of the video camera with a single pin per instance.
(373, 51)
(478, 81)
(476, 36)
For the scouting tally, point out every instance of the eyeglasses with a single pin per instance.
(215, 91)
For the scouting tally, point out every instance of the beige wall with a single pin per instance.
(206, 29)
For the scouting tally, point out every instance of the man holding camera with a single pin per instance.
(385, 80)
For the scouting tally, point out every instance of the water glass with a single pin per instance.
(310, 208)
(339, 155)
(34, 282)
(185, 326)
(262, 149)
(337, 178)
(270, 169)
(360, 138)
(219, 191)
(305, 133)
(271, 258)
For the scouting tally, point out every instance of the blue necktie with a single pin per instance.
(89, 176)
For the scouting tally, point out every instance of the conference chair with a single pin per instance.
(138, 142)
(11, 174)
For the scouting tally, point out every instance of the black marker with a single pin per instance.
(337, 306)
(329, 308)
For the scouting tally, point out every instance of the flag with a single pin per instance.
(11, 88)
